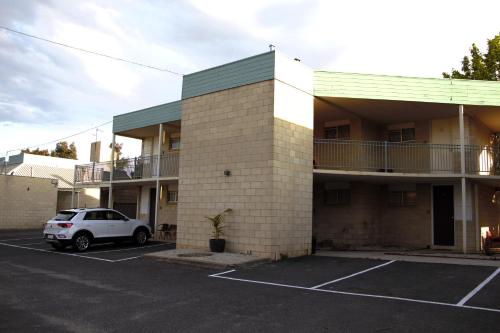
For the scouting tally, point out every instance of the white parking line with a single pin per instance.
(16, 239)
(352, 275)
(37, 243)
(127, 249)
(55, 252)
(479, 287)
(219, 276)
(222, 273)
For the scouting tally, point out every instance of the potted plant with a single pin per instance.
(216, 243)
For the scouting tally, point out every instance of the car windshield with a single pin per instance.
(64, 216)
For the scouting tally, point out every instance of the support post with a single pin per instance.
(74, 189)
(110, 193)
(158, 157)
(463, 180)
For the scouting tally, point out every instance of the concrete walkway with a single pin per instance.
(418, 256)
(206, 259)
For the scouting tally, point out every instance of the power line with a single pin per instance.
(61, 139)
(91, 52)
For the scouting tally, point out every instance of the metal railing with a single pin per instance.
(407, 157)
(142, 167)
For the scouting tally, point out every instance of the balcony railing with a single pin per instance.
(377, 156)
(143, 167)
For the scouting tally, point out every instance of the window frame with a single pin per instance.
(337, 129)
(176, 197)
(404, 198)
(342, 197)
(400, 134)
(176, 139)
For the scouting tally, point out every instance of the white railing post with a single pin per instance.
(385, 156)
(110, 194)
(463, 181)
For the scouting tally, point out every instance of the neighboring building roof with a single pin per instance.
(63, 176)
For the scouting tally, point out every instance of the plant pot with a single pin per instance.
(217, 245)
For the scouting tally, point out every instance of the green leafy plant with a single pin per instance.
(217, 223)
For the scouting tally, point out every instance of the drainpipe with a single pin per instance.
(158, 156)
(110, 194)
(463, 180)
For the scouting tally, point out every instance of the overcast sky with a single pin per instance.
(48, 92)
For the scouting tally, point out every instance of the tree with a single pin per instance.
(64, 151)
(37, 151)
(480, 66)
(120, 163)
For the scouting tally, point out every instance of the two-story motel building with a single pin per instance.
(352, 159)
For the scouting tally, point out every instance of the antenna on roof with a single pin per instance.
(271, 47)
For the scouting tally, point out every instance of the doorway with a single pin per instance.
(443, 213)
(152, 208)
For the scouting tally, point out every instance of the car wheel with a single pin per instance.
(140, 237)
(81, 242)
(58, 246)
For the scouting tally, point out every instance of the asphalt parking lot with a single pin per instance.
(113, 288)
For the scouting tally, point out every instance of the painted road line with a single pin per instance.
(127, 249)
(355, 294)
(222, 273)
(17, 239)
(125, 259)
(353, 275)
(478, 288)
(54, 252)
(37, 243)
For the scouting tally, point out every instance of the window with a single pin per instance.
(337, 132)
(402, 135)
(64, 216)
(403, 198)
(171, 196)
(111, 215)
(174, 143)
(96, 215)
(339, 197)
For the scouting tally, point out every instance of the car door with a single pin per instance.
(96, 222)
(119, 225)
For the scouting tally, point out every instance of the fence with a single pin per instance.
(378, 156)
(143, 167)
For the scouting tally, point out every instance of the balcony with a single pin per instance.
(144, 167)
(389, 157)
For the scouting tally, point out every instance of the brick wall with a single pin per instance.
(270, 159)
(26, 202)
(369, 220)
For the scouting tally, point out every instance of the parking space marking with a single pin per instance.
(37, 243)
(220, 276)
(478, 288)
(54, 252)
(125, 259)
(352, 275)
(127, 249)
(16, 239)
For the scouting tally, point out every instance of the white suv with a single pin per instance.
(81, 227)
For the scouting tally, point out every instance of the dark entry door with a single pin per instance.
(152, 208)
(444, 220)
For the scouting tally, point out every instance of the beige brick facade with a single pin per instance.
(26, 202)
(270, 160)
(369, 220)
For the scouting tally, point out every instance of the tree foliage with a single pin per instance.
(62, 150)
(37, 151)
(480, 66)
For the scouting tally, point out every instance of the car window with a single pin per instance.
(64, 216)
(115, 216)
(96, 215)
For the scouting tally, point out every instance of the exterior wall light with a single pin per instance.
(227, 173)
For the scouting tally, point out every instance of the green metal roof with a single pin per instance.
(146, 117)
(369, 86)
(234, 74)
